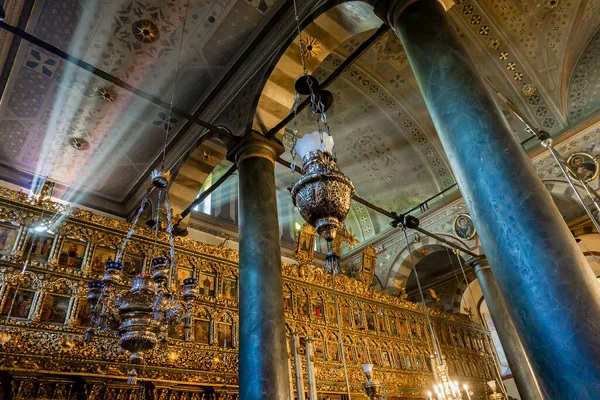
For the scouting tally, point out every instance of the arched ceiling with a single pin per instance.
(386, 142)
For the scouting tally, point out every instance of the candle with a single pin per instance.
(429, 394)
(467, 391)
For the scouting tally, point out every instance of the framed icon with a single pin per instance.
(8, 237)
(584, 166)
(71, 253)
(463, 227)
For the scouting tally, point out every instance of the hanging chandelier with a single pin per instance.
(142, 312)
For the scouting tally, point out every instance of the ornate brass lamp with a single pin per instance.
(141, 315)
(495, 395)
(322, 194)
(373, 389)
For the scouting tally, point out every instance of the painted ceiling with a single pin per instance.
(48, 102)
(530, 51)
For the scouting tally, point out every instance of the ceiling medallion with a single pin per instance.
(551, 4)
(311, 47)
(106, 93)
(528, 89)
(78, 143)
(145, 31)
(494, 43)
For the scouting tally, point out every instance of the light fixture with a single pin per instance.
(494, 386)
(373, 389)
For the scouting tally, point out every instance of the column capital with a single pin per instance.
(255, 145)
(389, 10)
(478, 263)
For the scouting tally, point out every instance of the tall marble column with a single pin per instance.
(263, 372)
(509, 337)
(550, 290)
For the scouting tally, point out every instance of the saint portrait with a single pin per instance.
(201, 331)
(133, 264)
(583, 166)
(463, 227)
(54, 309)
(177, 331)
(182, 274)
(102, 255)
(346, 316)
(8, 236)
(370, 321)
(21, 305)
(229, 289)
(206, 284)
(225, 336)
(40, 245)
(287, 301)
(358, 319)
(319, 348)
(71, 253)
(317, 308)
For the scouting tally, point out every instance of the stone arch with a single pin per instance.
(196, 166)
(420, 246)
(582, 98)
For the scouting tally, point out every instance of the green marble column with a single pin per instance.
(549, 288)
(509, 337)
(263, 368)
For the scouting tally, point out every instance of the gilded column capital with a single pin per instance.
(255, 145)
(389, 10)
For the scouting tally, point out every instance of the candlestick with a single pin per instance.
(429, 394)
(467, 392)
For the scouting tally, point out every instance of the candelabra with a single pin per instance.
(142, 314)
(494, 396)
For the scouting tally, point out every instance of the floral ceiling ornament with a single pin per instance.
(494, 43)
(145, 31)
(528, 89)
(551, 4)
(311, 47)
(79, 143)
(106, 93)
(389, 47)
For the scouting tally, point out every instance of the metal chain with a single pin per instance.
(300, 41)
(133, 225)
(157, 223)
(171, 238)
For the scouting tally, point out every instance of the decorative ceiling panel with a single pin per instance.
(47, 102)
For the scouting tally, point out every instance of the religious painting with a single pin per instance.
(332, 350)
(346, 316)
(40, 245)
(183, 274)
(54, 309)
(385, 359)
(583, 166)
(21, 305)
(381, 323)
(287, 301)
(393, 327)
(133, 264)
(83, 314)
(305, 244)
(177, 331)
(463, 227)
(317, 308)
(358, 319)
(71, 253)
(370, 321)
(229, 288)
(102, 255)
(201, 331)
(302, 306)
(331, 312)
(361, 353)
(206, 284)
(319, 348)
(225, 336)
(8, 237)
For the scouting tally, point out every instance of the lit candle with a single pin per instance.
(429, 394)
(467, 391)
